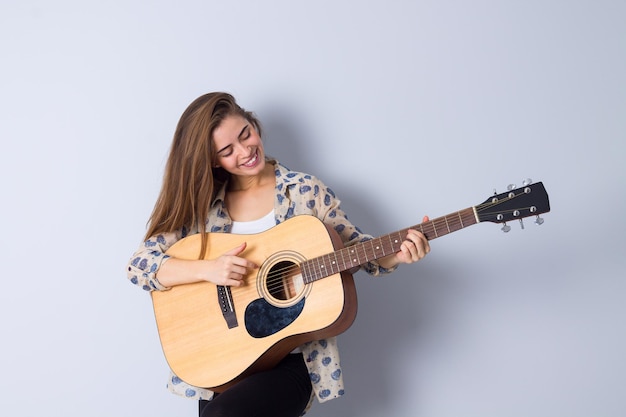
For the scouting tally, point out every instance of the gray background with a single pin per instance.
(405, 108)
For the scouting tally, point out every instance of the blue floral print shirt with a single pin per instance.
(296, 194)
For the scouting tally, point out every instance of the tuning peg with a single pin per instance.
(539, 221)
(527, 181)
(506, 228)
(521, 222)
(511, 187)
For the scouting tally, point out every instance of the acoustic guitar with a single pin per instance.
(212, 336)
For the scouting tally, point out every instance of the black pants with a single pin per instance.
(283, 391)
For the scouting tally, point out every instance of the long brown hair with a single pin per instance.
(191, 179)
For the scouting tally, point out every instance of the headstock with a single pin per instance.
(515, 204)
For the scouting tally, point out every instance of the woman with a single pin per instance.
(219, 179)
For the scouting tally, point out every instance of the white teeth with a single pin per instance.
(252, 161)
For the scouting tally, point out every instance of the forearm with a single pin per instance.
(227, 269)
(175, 271)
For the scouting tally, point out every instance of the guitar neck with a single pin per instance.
(360, 253)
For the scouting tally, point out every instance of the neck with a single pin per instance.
(252, 182)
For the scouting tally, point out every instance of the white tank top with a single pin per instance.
(255, 226)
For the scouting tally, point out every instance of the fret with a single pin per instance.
(364, 258)
(434, 228)
(321, 268)
(371, 251)
(353, 257)
(459, 223)
(390, 238)
(396, 241)
(343, 260)
(376, 248)
(333, 264)
(447, 225)
(306, 275)
(318, 267)
(313, 269)
(389, 244)
(381, 247)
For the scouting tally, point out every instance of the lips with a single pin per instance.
(252, 161)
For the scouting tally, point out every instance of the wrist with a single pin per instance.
(388, 262)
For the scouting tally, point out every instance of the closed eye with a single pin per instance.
(225, 151)
(245, 133)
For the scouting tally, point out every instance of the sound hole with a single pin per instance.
(284, 280)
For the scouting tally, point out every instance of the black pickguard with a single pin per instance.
(263, 319)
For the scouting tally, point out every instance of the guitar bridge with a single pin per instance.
(225, 299)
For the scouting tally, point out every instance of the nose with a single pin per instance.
(242, 149)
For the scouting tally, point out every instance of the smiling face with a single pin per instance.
(239, 149)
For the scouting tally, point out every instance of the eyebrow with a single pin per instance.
(240, 135)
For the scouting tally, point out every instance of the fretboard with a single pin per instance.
(360, 253)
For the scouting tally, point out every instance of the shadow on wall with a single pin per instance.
(415, 303)
(285, 138)
(394, 310)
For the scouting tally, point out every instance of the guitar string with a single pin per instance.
(275, 277)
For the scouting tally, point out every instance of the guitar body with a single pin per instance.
(213, 336)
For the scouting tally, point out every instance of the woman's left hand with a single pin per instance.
(414, 248)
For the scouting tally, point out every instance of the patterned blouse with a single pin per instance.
(296, 194)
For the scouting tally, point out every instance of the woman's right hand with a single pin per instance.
(229, 269)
